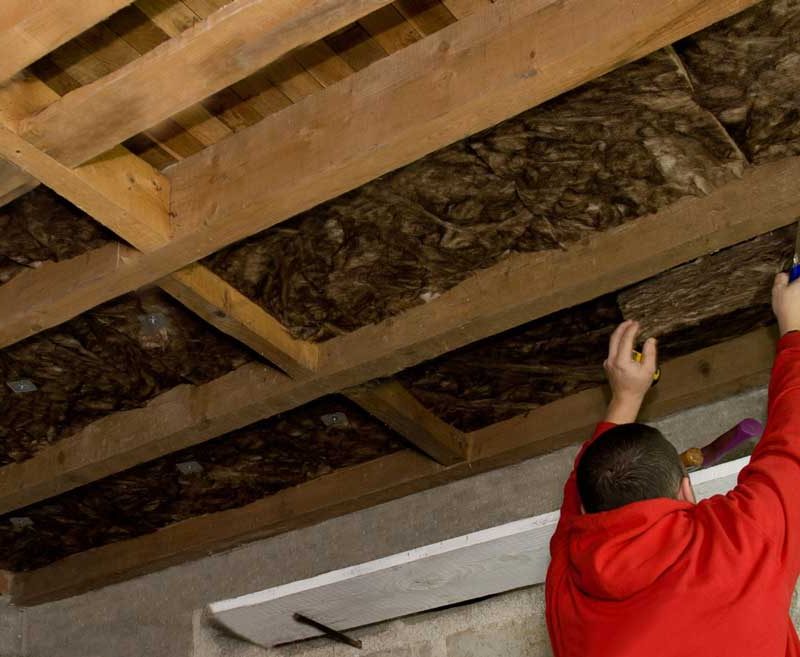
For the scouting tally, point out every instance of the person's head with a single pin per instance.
(630, 463)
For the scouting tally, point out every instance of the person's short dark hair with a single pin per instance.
(628, 463)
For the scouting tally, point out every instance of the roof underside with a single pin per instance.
(681, 122)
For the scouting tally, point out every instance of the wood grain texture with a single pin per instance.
(111, 359)
(30, 29)
(520, 289)
(391, 403)
(231, 44)
(707, 375)
(473, 45)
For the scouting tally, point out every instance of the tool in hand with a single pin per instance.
(794, 272)
(696, 458)
(637, 356)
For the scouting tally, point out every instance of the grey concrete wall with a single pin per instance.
(160, 615)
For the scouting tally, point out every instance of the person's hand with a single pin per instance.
(786, 303)
(629, 380)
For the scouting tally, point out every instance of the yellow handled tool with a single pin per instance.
(637, 356)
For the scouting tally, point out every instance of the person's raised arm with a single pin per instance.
(629, 381)
(768, 492)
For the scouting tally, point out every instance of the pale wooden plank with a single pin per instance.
(29, 29)
(396, 407)
(704, 376)
(14, 182)
(459, 569)
(232, 43)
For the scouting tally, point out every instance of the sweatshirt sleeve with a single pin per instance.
(571, 506)
(767, 493)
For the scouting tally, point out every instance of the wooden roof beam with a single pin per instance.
(232, 43)
(29, 29)
(704, 376)
(517, 290)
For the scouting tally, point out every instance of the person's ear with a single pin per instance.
(686, 492)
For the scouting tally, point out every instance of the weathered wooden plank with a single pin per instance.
(391, 403)
(231, 44)
(29, 29)
(706, 375)
(481, 563)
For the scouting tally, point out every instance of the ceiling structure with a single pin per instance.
(269, 262)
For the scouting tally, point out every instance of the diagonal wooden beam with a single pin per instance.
(517, 290)
(704, 376)
(396, 407)
(471, 74)
(29, 29)
(232, 43)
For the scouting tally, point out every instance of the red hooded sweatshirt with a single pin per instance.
(664, 578)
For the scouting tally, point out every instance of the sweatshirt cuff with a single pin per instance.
(789, 340)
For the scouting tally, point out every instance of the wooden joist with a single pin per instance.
(519, 289)
(232, 43)
(29, 29)
(473, 74)
(396, 407)
(704, 376)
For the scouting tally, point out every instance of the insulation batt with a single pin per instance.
(696, 305)
(236, 469)
(617, 148)
(40, 227)
(746, 71)
(103, 361)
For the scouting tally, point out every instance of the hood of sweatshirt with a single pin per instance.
(615, 554)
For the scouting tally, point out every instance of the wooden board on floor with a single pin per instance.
(459, 569)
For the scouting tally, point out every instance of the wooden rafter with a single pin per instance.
(29, 29)
(517, 290)
(330, 142)
(701, 377)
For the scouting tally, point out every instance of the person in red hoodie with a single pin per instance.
(639, 569)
